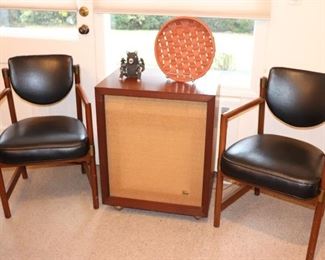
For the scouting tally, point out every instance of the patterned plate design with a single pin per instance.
(184, 49)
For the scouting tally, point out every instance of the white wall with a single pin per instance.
(296, 38)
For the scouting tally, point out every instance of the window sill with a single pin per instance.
(231, 87)
(237, 92)
(40, 33)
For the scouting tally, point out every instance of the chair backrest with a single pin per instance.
(297, 97)
(41, 79)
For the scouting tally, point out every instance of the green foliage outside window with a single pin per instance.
(154, 22)
(224, 61)
(230, 25)
(24, 18)
(137, 22)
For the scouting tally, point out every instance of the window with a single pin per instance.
(32, 23)
(30, 18)
(234, 40)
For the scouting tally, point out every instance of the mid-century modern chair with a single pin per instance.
(50, 140)
(279, 164)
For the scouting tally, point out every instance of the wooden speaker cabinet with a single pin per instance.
(156, 143)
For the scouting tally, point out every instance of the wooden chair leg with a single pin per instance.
(257, 191)
(319, 211)
(93, 183)
(218, 199)
(83, 168)
(24, 173)
(4, 197)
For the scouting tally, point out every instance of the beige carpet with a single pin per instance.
(52, 218)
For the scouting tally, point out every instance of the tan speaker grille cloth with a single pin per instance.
(156, 149)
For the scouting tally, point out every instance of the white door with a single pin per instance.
(22, 41)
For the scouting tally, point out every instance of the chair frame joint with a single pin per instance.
(321, 196)
(91, 150)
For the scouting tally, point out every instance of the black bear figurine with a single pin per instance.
(132, 67)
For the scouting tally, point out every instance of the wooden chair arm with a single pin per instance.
(231, 113)
(323, 178)
(8, 93)
(82, 99)
(4, 93)
(82, 95)
(225, 117)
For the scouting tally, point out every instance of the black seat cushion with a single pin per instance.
(279, 163)
(40, 139)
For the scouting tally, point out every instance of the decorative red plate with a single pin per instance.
(184, 49)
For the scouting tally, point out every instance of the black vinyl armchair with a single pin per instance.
(50, 140)
(281, 165)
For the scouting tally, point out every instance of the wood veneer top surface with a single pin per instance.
(153, 80)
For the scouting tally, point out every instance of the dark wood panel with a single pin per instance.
(154, 84)
(156, 206)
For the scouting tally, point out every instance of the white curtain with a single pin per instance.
(40, 5)
(252, 9)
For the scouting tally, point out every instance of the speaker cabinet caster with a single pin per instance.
(119, 208)
(197, 217)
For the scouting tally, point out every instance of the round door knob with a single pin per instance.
(84, 29)
(83, 11)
